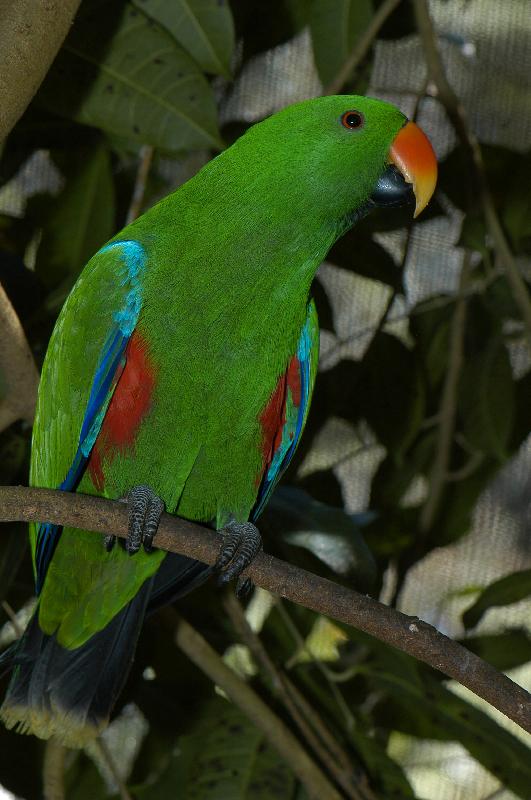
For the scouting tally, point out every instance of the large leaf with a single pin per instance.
(330, 534)
(361, 254)
(509, 589)
(505, 650)
(121, 72)
(392, 396)
(417, 703)
(335, 26)
(204, 28)
(224, 756)
(487, 400)
(79, 221)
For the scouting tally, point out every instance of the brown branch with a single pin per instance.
(314, 731)
(31, 34)
(53, 771)
(362, 46)
(108, 759)
(18, 372)
(471, 146)
(409, 634)
(278, 735)
(139, 189)
(448, 407)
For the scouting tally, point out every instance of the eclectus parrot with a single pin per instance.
(179, 375)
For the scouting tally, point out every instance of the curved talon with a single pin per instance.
(145, 510)
(242, 542)
(243, 588)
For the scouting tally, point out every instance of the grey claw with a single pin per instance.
(145, 509)
(109, 542)
(242, 542)
(243, 588)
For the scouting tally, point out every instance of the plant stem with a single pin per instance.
(278, 735)
(361, 47)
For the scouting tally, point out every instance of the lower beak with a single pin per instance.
(412, 172)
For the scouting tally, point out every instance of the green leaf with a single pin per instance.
(361, 254)
(123, 73)
(393, 393)
(418, 704)
(336, 26)
(503, 592)
(504, 651)
(330, 534)
(204, 28)
(223, 756)
(79, 221)
(487, 400)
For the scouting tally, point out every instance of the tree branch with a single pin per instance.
(448, 407)
(457, 116)
(311, 727)
(279, 736)
(409, 634)
(30, 36)
(362, 46)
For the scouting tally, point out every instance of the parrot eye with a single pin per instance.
(351, 120)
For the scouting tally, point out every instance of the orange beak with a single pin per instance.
(412, 153)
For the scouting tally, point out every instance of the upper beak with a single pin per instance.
(412, 153)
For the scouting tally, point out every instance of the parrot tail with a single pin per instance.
(69, 694)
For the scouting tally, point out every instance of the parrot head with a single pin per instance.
(346, 154)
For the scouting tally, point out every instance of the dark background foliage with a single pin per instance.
(142, 94)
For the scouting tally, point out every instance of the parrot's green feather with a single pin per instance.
(220, 308)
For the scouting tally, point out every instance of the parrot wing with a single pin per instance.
(130, 261)
(284, 417)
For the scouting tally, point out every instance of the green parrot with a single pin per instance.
(179, 375)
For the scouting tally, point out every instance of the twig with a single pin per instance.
(12, 618)
(139, 190)
(109, 761)
(53, 771)
(457, 116)
(17, 368)
(362, 46)
(279, 736)
(448, 407)
(331, 755)
(409, 634)
(303, 648)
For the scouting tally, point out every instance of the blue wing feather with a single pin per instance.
(108, 371)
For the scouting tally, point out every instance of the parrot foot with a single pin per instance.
(145, 509)
(241, 543)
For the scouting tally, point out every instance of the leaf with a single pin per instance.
(264, 24)
(487, 400)
(83, 780)
(324, 307)
(80, 221)
(328, 533)
(418, 704)
(123, 73)
(505, 651)
(392, 395)
(204, 28)
(503, 592)
(223, 756)
(361, 254)
(335, 26)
